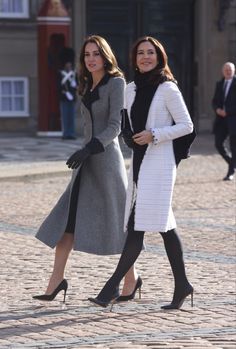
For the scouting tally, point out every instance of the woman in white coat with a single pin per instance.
(157, 115)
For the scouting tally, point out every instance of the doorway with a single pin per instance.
(121, 22)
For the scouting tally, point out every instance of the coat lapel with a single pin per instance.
(130, 96)
(232, 88)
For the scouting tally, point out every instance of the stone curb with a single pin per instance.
(41, 172)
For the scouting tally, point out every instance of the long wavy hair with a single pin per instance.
(162, 71)
(110, 62)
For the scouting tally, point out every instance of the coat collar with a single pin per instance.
(92, 96)
(233, 80)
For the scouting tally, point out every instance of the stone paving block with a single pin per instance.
(203, 205)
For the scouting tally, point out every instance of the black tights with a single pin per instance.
(131, 251)
(174, 253)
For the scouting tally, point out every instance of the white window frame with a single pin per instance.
(23, 14)
(16, 113)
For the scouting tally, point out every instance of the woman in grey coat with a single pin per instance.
(90, 213)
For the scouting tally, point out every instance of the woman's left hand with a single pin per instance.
(143, 137)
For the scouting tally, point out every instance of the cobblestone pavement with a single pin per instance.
(33, 175)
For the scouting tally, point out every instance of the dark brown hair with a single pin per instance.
(162, 71)
(110, 62)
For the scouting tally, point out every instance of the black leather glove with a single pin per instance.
(127, 138)
(77, 158)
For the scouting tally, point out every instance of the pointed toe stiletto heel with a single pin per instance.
(104, 303)
(179, 300)
(99, 302)
(132, 295)
(50, 297)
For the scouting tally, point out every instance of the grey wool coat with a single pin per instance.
(103, 180)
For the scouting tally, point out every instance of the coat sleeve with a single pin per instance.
(217, 100)
(116, 104)
(176, 106)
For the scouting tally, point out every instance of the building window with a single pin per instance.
(14, 97)
(14, 8)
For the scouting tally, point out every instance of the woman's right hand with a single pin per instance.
(143, 137)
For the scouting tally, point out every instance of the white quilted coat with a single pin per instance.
(158, 169)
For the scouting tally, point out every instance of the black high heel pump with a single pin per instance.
(132, 295)
(49, 297)
(179, 299)
(104, 303)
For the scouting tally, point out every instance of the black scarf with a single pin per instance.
(145, 90)
(143, 98)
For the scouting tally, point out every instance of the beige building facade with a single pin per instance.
(213, 45)
(211, 42)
